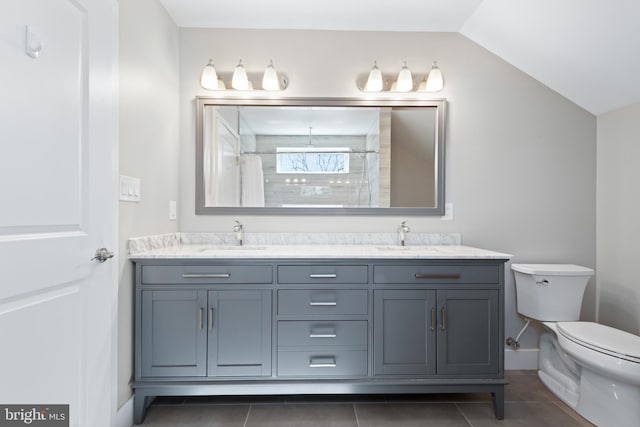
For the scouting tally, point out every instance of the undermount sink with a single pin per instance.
(233, 248)
(393, 248)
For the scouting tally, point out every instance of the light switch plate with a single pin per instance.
(129, 189)
(448, 212)
(173, 210)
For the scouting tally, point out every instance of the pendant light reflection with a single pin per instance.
(240, 81)
(404, 83)
(209, 78)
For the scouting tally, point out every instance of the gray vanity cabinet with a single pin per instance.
(196, 333)
(318, 326)
(468, 341)
(172, 334)
(239, 324)
(404, 335)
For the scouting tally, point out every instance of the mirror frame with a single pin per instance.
(440, 105)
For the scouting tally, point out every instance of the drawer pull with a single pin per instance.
(437, 276)
(322, 335)
(323, 276)
(206, 276)
(322, 362)
(322, 303)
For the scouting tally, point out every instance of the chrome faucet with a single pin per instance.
(238, 229)
(402, 231)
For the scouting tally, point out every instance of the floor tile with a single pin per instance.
(520, 414)
(196, 416)
(305, 415)
(410, 415)
(527, 387)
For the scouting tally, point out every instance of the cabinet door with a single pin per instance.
(404, 335)
(468, 332)
(239, 325)
(173, 333)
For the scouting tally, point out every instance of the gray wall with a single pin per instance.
(149, 129)
(521, 159)
(618, 227)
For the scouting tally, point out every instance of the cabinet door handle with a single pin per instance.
(433, 319)
(443, 314)
(200, 312)
(323, 276)
(323, 303)
(211, 318)
(437, 276)
(206, 275)
(322, 362)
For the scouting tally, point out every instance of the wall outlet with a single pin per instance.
(173, 210)
(448, 212)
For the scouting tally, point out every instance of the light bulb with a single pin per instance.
(209, 78)
(405, 79)
(270, 78)
(240, 81)
(374, 82)
(435, 82)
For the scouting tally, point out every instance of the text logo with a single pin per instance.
(34, 415)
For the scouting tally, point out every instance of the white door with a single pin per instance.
(58, 204)
(222, 151)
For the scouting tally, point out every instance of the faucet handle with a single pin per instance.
(404, 227)
(238, 226)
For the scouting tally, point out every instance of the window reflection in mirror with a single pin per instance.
(338, 158)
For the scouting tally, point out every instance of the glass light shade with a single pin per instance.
(209, 78)
(240, 81)
(435, 82)
(270, 78)
(405, 79)
(374, 82)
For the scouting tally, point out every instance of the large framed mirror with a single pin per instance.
(320, 156)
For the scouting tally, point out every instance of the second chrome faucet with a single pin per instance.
(402, 231)
(239, 230)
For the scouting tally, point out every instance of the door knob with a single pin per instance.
(102, 254)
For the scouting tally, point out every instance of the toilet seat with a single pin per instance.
(603, 339)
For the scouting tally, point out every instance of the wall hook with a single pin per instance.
(31, 47)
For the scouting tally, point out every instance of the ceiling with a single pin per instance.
(586, 50)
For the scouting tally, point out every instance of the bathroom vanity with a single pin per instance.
(318, 320)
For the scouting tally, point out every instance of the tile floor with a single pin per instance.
(527, 404)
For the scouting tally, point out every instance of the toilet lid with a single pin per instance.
(603, 338)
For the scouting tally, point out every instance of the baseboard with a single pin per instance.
(526, 358)
(124, 417)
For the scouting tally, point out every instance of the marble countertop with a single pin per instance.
(305, 245)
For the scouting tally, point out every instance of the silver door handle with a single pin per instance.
(443, 313)
(102, 254)
(211, 318)
(323, 276)
(433, 318)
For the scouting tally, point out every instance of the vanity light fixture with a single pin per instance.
(270, 80)
(375, 82)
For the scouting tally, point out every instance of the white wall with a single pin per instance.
(149, 129)
(618, 227)
(520, 166)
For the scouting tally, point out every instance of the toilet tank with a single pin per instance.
(550, 292)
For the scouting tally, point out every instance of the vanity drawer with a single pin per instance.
(206, 274)
(303, 274)
(322, 301)
(318, 333)
(322, 364)
(435, 274)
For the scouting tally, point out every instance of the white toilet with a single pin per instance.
(593, 368)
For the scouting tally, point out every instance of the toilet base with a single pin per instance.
(601, 400)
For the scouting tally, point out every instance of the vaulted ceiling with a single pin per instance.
(586, 50)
